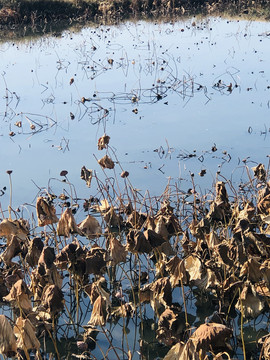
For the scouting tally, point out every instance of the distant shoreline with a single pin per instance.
(44, 15)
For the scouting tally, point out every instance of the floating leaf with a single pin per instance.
(106, 162)
(45, 212)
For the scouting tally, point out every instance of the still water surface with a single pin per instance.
(171, 90)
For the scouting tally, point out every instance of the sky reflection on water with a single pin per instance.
(180, 73)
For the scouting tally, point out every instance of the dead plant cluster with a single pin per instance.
(170, 252)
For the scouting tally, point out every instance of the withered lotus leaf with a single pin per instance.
(137, 243)
(251, 269)
(70, 254)
(177, 271)
(45, 212)
(265, 342)
(25, 333)
(259, 172)
(103, 142)
(221, 195)
(161, 294)
(194, 267)
(106, 162)
(97, 288)
(34, 251)
(249, 303)
(13, 249)
(86, 175)
(90, 227)
(264, 205)
(154, 238)
(161, 228)
(223, 252)
(210, 336)
(118, 252)
(52, 299)
(99, 312)
(124, 310)
(47, 257)
(265, 270)
(95, 260)
(19, 295)
(67, 224)
(170, 327)
(112, 219)
(181, 351)
(136, 220)
(9, 228)
(8, 345)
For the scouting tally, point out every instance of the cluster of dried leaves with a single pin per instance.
(218, 247)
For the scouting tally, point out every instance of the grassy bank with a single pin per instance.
(43, 14)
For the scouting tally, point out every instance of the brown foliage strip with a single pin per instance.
(222, 250)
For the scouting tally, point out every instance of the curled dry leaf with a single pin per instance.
(170, 327)
(19, 295)
(106, 162)
(9, 228)
(161, 294)
(259, 172)
(47, 257)
(124, 310)
(45, 212)
(25, 333)
(265, 342)
(52, 299)
(8, 345)
(67, 224)
(34, 251)
(249, 303)
(90, 227)
(103, 142)
(86, 175)
(137, 243)
(177, 271)
(13, 249)
(210, 336)
(194, 268)
(112, 219)
(95, 260)
(118, 252)
(99, 312)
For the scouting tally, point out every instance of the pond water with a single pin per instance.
(175, 98)
(171, 91)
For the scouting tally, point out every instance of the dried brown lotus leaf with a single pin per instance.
(103, 142)
(181, 351)
(264, 205)
(112, 219)
(90, 227)
(47, 257)
(136, 220)
(170, 327)
(161, 294)
(249, 303)
(25, 333)
(19, 295)
(177, 271)
(137, 243)
(265, 342)
(212, 240)
(161, 228)
(263, 289)
(124, 310)
(210, 336)
(99, 312)
(67, 224)
(95, 261)
(45, 212)
(86, 175)
(221, 195)
(259, 172)
(223, 252)
(265, 271)
(8, 345)
(260, 242)
(106, 162)
(118, 252)
(52, 299)
(34, 251)
(13, 249)
(9, 228)
(251, 269)
(194, 267)
(154, 239)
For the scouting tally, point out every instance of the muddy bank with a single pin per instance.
(43, 16)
